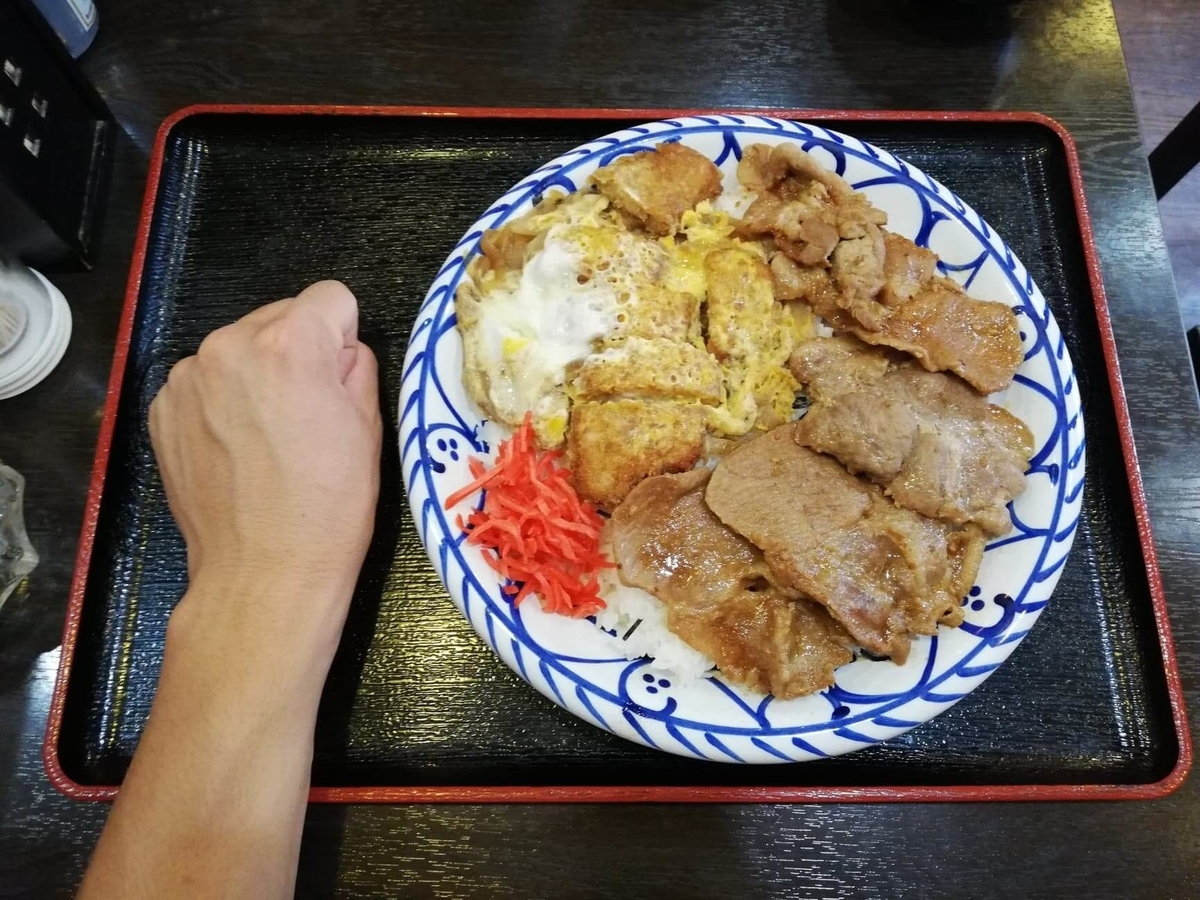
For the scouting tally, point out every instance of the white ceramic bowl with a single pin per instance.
(570, 662)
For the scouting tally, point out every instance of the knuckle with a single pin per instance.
(272, 340)
(285, 337)
(220, 345)
(178, 374)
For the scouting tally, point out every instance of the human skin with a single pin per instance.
(268, 440)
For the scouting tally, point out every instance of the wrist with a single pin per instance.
(267, 572)
(265, 636)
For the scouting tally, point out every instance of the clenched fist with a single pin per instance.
(268, 440)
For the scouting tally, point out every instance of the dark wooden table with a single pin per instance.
(1061, 57)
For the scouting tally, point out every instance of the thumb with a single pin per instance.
(347, 357)
(362, 378)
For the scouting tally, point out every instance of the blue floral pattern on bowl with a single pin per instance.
(572, 663)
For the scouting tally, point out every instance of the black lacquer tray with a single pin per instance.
(249, 204)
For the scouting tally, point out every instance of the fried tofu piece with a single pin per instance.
(655, 188)
(654, 369)
(614, 445)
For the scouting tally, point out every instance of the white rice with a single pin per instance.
(640, 622)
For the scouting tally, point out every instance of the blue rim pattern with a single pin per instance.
(438, 424)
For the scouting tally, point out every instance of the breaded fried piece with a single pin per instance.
(614, 445)
(656, 187)
(742, 319)
(659, 312)
(650, 368)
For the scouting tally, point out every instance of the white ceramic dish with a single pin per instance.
(571, 662)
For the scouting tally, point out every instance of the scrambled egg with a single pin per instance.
(702, 230)
(753, 336)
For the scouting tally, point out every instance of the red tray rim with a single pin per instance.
(632, 793)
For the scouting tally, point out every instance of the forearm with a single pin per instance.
(268, 440)
(213, 804)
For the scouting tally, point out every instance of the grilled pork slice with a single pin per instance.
(883, 572)
(718, 592)
(931, 442)
(939, 325)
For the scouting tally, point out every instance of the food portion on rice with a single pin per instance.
(885, 573)
(935, 445)
(653, 354)
(719, 590)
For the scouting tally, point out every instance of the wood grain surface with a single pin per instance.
(1061, 57)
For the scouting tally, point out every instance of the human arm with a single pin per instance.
(268, 441)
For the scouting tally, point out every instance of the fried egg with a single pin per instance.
(525, 332)
(529, 333)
